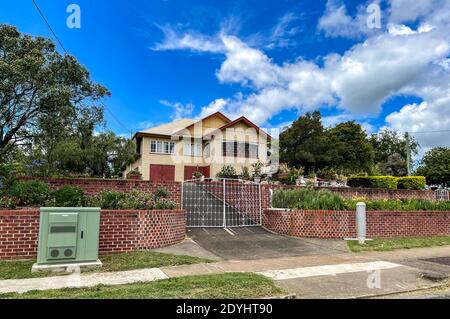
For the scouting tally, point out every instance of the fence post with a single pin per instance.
(224, 206)
(361, 222)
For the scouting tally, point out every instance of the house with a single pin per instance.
(174, 151)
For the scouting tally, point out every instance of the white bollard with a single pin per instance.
(361, 222)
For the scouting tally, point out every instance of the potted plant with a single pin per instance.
(257, 168)
(198, 175)
(134, 174)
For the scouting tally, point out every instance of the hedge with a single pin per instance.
(389, 182)
(411, 182)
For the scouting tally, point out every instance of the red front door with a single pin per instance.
(189, 170)
(165, 173)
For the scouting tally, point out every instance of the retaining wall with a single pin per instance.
(120, 231)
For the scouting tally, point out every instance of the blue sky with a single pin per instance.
(268, 60)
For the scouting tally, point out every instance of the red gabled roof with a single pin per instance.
(246, 121)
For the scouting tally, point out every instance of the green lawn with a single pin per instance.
(229, 285)
(117, 262)
(386, 244)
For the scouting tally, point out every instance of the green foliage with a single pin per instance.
(326, 200)
(136, 200)
(308, 199)
(106, 199)
(345, 147)
(305, 143)
(289, 175)
(68, 196)
(389, 182)
(132, 200)
(9, 173)
(8, 202)
(327, 173)
(161, 192)
(435, 166)
(411, 182)
(390, 152)
(30, 193)
(227, 171)
(245, 173)
(257, 167)
(350, 148)
(39, 89)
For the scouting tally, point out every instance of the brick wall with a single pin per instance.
(120, 231)
(92, 186)
(342, 224)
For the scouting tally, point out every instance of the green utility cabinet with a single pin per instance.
(68, 235)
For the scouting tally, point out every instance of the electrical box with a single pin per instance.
(68, 235)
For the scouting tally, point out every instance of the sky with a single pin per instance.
(383, 63)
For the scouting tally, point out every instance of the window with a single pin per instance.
(160, 147)
(240, 149)
(207, 150)
(192, 149)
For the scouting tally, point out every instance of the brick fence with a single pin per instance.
(342, 224)
(120, 231)
(93, 186)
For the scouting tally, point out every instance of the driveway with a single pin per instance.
(247, 243)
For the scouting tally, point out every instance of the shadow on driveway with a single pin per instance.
(249, 243)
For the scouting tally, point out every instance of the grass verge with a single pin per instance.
(229, 285)
(387, 244)
(118, 262)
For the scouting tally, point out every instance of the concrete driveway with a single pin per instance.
(249, 243)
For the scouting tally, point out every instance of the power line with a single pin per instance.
(426, 132)
(64, 49)
(49, 26)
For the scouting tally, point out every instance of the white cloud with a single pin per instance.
(399, 60)
(215, 106)
(191, 40)
(336, 22)
(402, 11)
(284, 32)
(180, 110)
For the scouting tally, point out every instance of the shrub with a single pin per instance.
(164, 204)
(9, 172)
(411, 182)
(308, 199)
(389, 182)
(227, 171)
(106, 199)
(132, 200)
(329, 174)
(30, 193)
(161, 192)
(8, 202)
(325, 200)
(69, 196)
(245, 173)
(136, 200)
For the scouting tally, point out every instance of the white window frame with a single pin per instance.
(162, 147)
(193, 149)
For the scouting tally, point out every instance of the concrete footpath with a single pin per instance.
(335, 275)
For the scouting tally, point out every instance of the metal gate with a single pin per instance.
(222, 203)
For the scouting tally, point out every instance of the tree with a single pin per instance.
(39, 85)
(352, 151)
(390, 152)
(435, 166)
(305, 143)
